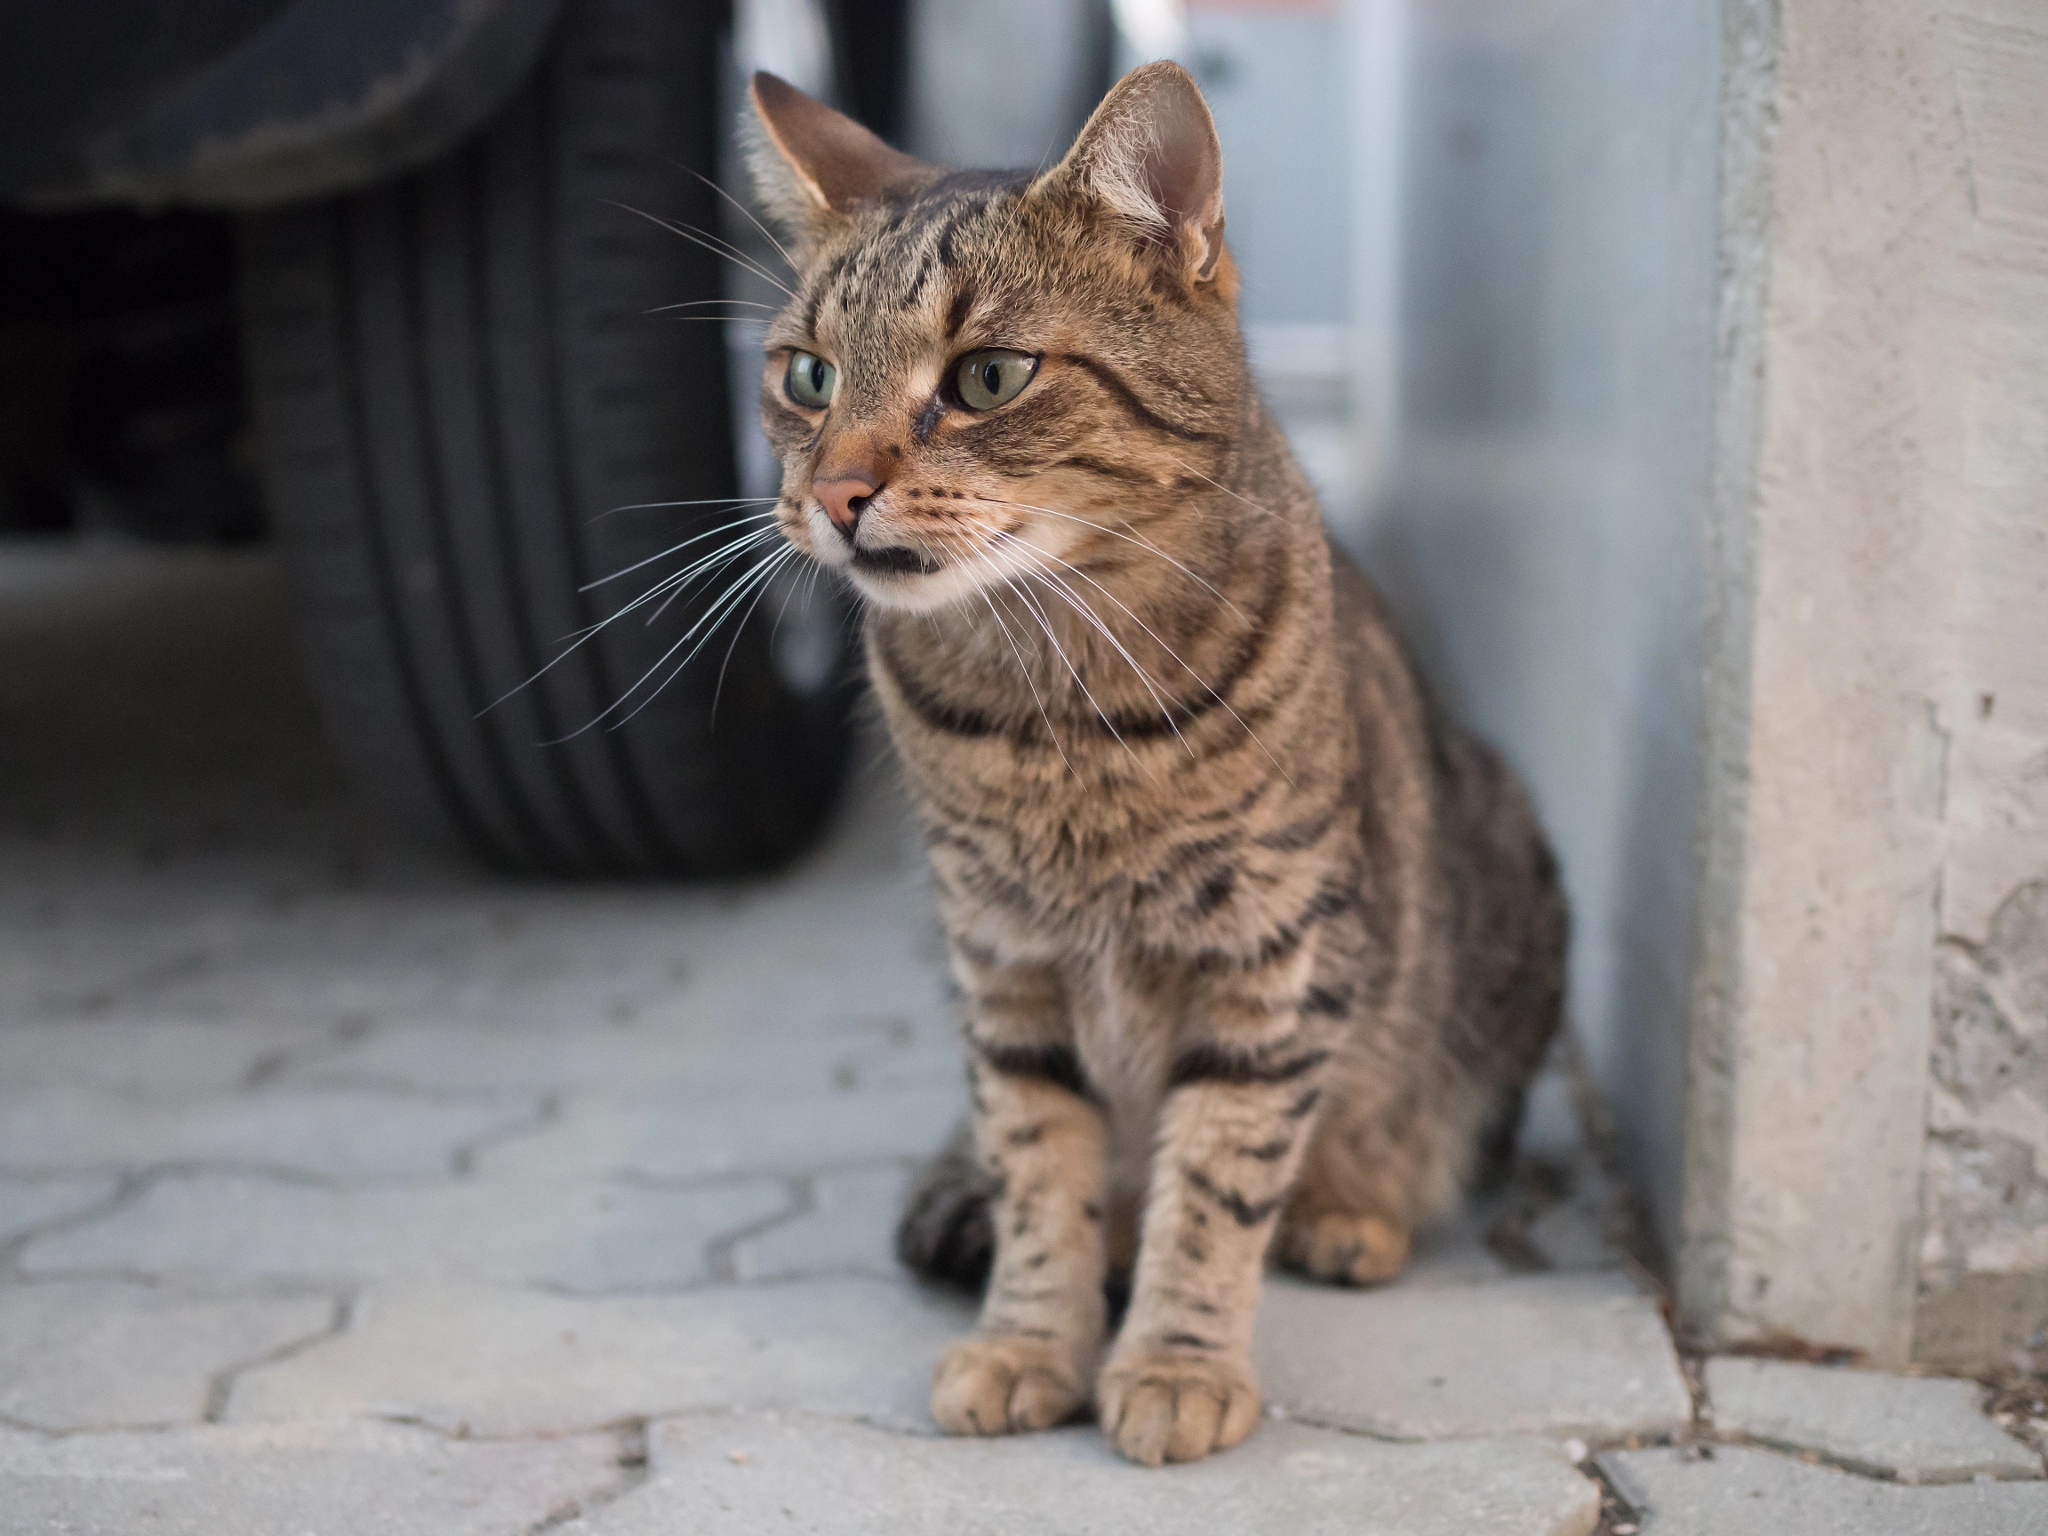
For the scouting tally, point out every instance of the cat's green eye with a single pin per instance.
(992, 377)
(811, 380)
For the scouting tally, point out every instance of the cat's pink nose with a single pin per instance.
(844, 499)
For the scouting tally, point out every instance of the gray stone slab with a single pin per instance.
(335, 1134)
(1921, 1429)
(500, 1362)
(108, 1354)
(849, 1228)
(580, 1237)
(148, 1057)
(679, 1137)
(29, 1203)
(623, 1061)
(1544, 1354)
(748, 1475)
(1741, 1492)
(300, 1480)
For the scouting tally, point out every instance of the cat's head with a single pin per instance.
(987, 375)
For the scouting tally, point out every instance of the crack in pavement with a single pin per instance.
(546, 1111)
(221, 1387)
(350, 1029)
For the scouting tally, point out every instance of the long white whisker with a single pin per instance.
(755, 581)
(663, 660)
(751, 517)
(701, 501)
(981, 558)
(711, 243)
(1033, 607)
(745, 212)
(717, 560)
(662, 309)
(1131, 538)
(1025, 670)
(1226, 490)
(671, 584)
(1207, 686)
(719, 243)
(1075, 601)
(739, 629)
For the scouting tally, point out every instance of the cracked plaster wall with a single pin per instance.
(1984, 1248)
(1984, 1255)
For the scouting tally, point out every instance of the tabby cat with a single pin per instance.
(1258, 951)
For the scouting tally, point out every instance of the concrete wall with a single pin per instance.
(1543, 526)
(1878, 702)
(1718, 499)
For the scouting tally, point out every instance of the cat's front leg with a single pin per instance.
(1029, 1364)
(1242, 1096)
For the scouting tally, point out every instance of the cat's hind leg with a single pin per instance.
(1344, 1247)
(1374, 1172)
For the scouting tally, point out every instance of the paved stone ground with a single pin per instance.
(346, 1189)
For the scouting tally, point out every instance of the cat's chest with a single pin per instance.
(1066, 856)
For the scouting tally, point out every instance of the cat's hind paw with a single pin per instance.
(1159, 1407)
(1351, 1250)
(1005, 1386)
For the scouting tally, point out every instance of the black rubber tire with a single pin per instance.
(456, 382)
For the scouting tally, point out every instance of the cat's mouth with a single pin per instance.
(894, 560)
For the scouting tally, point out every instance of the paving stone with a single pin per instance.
(1542, 1354)
(336, 1134)
(675, 1137)
(1921, 1429)
(498, 1362)
(148, 1057)
(624, 1060)
(850, 1228)
(27, 1203)
(752, 1474)
(1741, 1492)
(933, 1058)
(326, 1480)
(105, 1354)
(582, 1237)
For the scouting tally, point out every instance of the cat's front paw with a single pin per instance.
(1004, 1386)
(1158, 1407)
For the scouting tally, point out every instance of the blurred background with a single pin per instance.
(1656, 358)
(245, 305)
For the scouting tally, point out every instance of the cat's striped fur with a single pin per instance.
(1258, 951)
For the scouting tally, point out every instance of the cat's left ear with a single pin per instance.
(1151, 154)
(813, 165)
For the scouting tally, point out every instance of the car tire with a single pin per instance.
(467, 416)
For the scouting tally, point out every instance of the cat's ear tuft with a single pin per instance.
(812, 165)
(1150, 153)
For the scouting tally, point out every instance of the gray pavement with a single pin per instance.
(346, 1188)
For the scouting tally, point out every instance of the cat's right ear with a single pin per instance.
(812, 165)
